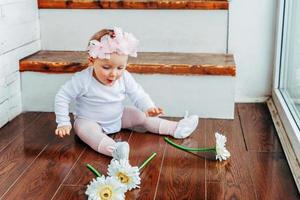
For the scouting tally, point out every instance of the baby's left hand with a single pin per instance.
(153, 112)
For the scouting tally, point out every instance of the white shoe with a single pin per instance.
(121, 151)
(186, 126)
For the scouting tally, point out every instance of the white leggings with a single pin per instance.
(92, 134)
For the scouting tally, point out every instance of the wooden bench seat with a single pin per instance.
(135, 4)
(146, 63)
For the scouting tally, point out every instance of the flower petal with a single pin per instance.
(96, 186)
(221, 152)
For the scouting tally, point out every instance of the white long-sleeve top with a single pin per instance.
(98, 102)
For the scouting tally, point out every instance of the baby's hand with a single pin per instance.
(63, 130)
(153, 112)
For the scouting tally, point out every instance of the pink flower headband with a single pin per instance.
(121, 43)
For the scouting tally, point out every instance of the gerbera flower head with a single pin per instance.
(107, 188)
(221, 152)
(126, 174)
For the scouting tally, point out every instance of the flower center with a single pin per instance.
(105, 193)
(122, 177)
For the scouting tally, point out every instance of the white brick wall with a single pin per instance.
(19, 37)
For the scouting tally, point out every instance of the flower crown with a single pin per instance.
(121, 43)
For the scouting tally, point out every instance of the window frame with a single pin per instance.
(286, 125)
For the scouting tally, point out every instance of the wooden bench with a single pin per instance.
(145, 63)
(134, 4)
(202, 83)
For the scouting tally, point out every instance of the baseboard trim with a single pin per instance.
(251, 99)
(285, 142)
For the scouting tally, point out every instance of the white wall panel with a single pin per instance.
(10, 78)
(2, 67)
(19, 37)
(3, 90)
(209, 97)
(4, 113)
(12, 37)
(14, 101)
(18, 13)
(10, 60)
(13, 84)
(14, 105)
(251, 40)
(5, 2)
(157, 30)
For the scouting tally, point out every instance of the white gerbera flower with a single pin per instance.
(127, 175)
(221, 152)
(105, 189)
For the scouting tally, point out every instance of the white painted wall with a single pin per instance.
(205, 96)
(19, 37)
(252, 41)
(157, 30)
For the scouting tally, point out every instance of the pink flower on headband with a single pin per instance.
(122, 43)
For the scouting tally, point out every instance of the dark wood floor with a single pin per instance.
(34, 164)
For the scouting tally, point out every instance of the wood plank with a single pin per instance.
(183, 174)
(145, 63)
(272, 177)
(135, 4)
(50, 168)
(258, 128)
(71, 192)
(142, 145)
(16, 127)
(228, 179)
(22, 151)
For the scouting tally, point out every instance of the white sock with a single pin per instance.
(186, 126)
(121, 151)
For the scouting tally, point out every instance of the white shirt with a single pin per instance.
(98, 102)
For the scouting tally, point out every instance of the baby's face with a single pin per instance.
(108, 71)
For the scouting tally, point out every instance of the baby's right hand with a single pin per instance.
(63, 130)
(153, 112)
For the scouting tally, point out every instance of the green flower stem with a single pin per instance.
(90, 167)
(187, 148)
(146, 161)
